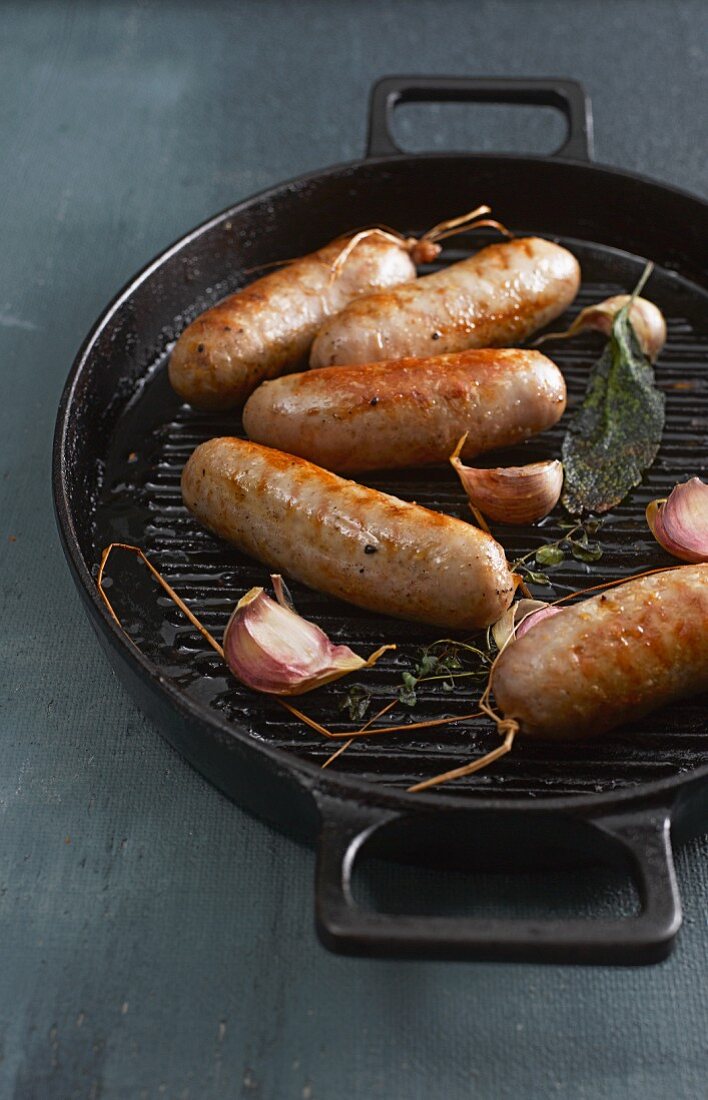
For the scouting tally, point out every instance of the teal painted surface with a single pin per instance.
(154, 940)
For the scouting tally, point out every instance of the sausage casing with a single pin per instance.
(497, 297)
(268, 327)
(408, 412)
(352, 542)
(611, 659)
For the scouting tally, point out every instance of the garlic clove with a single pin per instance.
(646, 318)
(504, 629)
(270, 648)
(511, 494)
(535, 617)
(680, 523)
(519, 618)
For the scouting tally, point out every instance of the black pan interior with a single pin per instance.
(130, 491)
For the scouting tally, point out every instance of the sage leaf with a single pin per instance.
(616, 432)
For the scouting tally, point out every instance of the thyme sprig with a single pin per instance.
(445, 661)
(576, 540)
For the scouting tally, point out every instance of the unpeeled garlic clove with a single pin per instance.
(535, 617)
(646, 318)
(270, 648)
(511, 494)
(505, 629)
(680, 523)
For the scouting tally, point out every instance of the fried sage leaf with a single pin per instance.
(616, 432)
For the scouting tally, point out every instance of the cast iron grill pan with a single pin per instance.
(141, 501)
(123, 438)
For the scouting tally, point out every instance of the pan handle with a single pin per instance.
(567, 95)
(643, 840)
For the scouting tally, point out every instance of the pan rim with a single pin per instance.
(307, 774)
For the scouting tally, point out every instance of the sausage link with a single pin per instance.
(407, 412)
(352, 542)
(611, 659)
(498, 297)
(268, 327)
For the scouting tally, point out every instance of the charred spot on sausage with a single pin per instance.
(200, 348)
(369, 549)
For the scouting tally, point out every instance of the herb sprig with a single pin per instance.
(576, 540)
(615, 434)
(445, 661)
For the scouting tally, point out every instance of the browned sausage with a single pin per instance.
(610, 659)
(498, 297)
(352, 542)
(410, 411)
(268, 327)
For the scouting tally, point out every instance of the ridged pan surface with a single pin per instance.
(140, 502)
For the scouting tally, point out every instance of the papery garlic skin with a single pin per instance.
(680, 523)
(270, 648)
(511, 494)
(646, 319)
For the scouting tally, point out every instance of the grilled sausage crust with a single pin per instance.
(352, 542)
(407, 412)
(498, 297)
(611, 659)
(268, 327)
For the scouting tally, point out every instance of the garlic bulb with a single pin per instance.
(646, 318)
(270, 648)
(519, 618)
(680, 523)
(511, 494)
